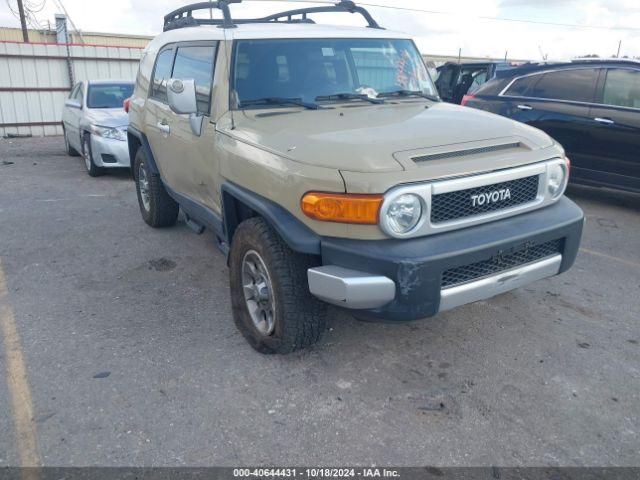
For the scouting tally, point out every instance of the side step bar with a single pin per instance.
(193, 225)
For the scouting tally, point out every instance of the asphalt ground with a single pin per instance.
(118, 349)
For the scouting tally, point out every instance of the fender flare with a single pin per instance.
(134, 133)
(296, 234)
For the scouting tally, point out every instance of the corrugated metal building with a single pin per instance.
(35, 78)
(10, 34)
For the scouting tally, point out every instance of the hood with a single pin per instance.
(108, 117)
(365, 138)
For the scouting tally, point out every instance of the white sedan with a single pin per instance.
(95, 124)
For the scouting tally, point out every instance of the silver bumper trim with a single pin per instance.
(350, 288)
(496, 284)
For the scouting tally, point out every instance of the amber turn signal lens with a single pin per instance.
(342, 208)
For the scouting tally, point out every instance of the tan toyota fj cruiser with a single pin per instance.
(330, 172)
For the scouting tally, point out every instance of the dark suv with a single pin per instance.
(455, 80)
(592, 108)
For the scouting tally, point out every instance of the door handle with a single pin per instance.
(164, 127)
(606, 121)
(525, 107)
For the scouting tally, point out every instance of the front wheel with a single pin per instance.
(92, 169)
(72, 152)
(270, 298)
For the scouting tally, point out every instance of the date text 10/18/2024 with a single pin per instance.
(315, 473)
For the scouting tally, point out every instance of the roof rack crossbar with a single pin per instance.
(343, 6)
(183, 17)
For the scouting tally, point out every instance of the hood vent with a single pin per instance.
(470, 151)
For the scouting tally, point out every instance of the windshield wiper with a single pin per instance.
(410, 93)
(350, 96)
(280, 101)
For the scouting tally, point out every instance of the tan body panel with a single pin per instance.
(277, 178)
(282, 153)
(361, 137)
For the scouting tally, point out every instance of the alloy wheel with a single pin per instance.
(86, 152)
(258, 292)
(143, 185)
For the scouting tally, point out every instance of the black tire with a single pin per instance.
(162, 210)
(299, 317)
(72, 152)
(92, 169)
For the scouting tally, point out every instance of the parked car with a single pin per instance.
(95, 124)
(331, 173)
(455, 80)
(590, 107)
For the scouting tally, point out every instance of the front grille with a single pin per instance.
(473, 201)
(464, 153)
(500, 262)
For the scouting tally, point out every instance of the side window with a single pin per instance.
(79, 93)
(443, 83)
(576, 85)
(74, 91)
(197, 63)
(522, 86)
(161, 73)
(622, 88)
(478, 80)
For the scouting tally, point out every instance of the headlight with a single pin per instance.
(118, 133)
(557, 178)
(402, 214)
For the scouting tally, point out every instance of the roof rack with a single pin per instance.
(183, 17)
(598, 59)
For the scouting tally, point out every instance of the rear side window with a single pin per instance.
(445, 77)
(74, 91)
(521, 86)
(622, 88)
(161, 74)
(79, 93)
(473, 79)
(577, 85)
(196, 62)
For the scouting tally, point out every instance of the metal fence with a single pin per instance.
(35, 79)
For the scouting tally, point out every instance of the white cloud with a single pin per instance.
(435, 33)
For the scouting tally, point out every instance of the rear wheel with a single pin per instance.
(72, 152)
(158, 209)
(92, 169)
(271, 302)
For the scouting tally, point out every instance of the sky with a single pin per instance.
(458, 27)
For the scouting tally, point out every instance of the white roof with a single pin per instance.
(110, 81)
(271, 30)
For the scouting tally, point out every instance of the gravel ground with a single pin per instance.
(132, 358)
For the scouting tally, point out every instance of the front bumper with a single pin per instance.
(404, 278)
(110, 153)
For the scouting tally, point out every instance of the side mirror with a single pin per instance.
(72, 103)
(182, 100)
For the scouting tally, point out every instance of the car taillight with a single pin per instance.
(127, 104)
(466, 98)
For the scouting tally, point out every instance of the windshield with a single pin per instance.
(312, 70)
(108, 95)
